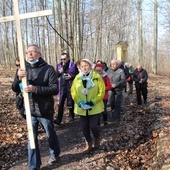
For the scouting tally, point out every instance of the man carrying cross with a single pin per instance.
(17, 17)
(42, 85)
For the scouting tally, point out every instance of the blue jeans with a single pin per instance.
(34, 159)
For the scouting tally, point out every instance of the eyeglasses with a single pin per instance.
(63, 59)
(18, 65)
(29, 52)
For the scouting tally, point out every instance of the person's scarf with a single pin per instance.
(103, 74)
(88, 79)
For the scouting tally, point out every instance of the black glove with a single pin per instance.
(90, 103)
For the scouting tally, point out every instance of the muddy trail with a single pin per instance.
(130, 145)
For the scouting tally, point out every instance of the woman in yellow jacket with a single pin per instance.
(87, 91)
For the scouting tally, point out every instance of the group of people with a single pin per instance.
(88, 88)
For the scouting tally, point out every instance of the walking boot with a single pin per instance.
(88, 147)
(96, 142)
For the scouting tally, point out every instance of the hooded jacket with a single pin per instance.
(43, 77)
(94, 94)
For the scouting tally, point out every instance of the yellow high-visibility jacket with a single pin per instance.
(95, 94)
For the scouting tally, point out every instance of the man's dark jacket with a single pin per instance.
(43, 77)
(137, 76)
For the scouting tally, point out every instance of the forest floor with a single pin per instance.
(135, 144)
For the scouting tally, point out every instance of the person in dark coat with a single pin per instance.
(66, 72)
(140, 76)
(42, 85)
(19, 98)
(129, 79)
(131, 69)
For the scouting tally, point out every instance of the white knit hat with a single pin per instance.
(89, 61)
(127, 64)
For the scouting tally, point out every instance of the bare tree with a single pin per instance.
(155, 43)
(140, 32)
(6, 38)
(60, 23)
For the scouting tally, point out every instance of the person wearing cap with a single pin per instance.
(118, 81)
(87, 91)
(99, 68)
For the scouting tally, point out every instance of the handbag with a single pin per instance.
(19, 101)
(128, 79)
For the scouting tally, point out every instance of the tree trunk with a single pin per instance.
(140, 32)
(155, 43)
(60, 25)
(6, 44)
(54, 58)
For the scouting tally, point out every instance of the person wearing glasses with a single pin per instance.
(19, 98)
(42, 85)
(66, 72)
(17, 62)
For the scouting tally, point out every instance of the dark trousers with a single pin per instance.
(116, 99)
(90, 123)
(104, 113)
(22, 112)
(105, 110)
(61, 108)
(142, 91)
(130, 87)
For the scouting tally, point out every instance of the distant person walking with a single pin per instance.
(131, 70)
(118, 81)
(140, 76)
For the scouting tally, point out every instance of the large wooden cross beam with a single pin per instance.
(17, 17)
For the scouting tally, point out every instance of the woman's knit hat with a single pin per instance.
(87, 60)
(99, 65)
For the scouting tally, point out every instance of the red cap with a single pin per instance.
(99, 65)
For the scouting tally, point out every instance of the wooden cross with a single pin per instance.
(17, 17)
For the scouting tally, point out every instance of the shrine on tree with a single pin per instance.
(121, 51)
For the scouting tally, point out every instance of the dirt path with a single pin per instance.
(131, 145)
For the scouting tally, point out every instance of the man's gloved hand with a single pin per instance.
(90, 103)
(80, 103)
